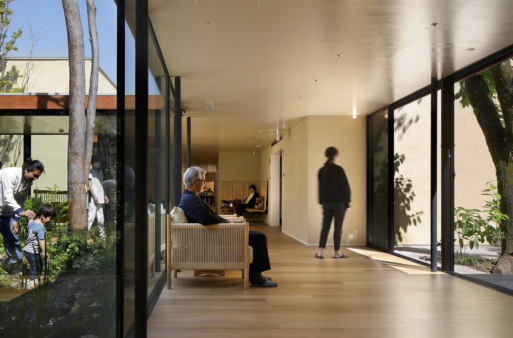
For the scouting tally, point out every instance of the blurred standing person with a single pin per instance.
(97, 199)
(334, 196)
(15, 186)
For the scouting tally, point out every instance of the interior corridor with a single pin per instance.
(372, 295)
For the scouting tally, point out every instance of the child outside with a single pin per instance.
(35, 246)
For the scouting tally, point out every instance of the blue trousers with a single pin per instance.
(36, 264)
(12, 244)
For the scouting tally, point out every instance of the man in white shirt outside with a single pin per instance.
(15, 185)
(98, 198)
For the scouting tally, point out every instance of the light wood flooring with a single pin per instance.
(361, 297)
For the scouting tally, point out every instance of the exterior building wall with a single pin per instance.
(51, 75)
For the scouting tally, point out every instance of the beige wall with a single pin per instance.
(51, 75)
(304, 147)
(52, 150)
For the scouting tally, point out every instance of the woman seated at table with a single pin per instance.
(249, 202)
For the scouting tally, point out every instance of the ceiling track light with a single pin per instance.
(339, 55)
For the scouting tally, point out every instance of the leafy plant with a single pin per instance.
(471, 229)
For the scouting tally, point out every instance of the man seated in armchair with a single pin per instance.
(198, 211)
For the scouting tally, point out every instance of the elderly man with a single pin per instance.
(198, 211)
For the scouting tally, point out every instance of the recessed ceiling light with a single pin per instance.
(434, 24)
(471, 49)
(359, 80)
(339, 55)
(260, 131)
(272, 134)
(322, 108)
(268, 121)
(207, 23)
(198, 140)
(299, 97)
(209, 80)
(258, 146)
(315, 80)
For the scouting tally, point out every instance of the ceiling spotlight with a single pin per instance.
(209, 80)
(354, 112)
(339, 55)
(434, 24)
(272, 134)
(315, 80)
(260, 131)
(268, 121)
(258, 146)
(207, 23)
(299, 97)
(471, 49)
(386, 115)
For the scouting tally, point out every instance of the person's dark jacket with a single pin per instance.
(198, 211)
(333, 185)
(252, 201)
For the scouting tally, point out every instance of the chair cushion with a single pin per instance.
(178, 216)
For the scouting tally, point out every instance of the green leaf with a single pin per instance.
(471, 245)
(461, 242)
(476, 243)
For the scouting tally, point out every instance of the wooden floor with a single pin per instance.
(356, 297)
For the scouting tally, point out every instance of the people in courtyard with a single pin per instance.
(97, 198)
(15, 186)
(249, 202)
(334, 196)
(35, 246)
(198, 211)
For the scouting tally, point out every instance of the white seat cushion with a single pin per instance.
(178, 216)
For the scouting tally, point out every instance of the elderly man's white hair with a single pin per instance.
(191, 174)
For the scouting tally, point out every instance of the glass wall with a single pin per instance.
(157, 168)
(412, 179)
(57, 278)
(378, 230)
(483, 167)
(129, 171)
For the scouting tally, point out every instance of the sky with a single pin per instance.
(49, 16)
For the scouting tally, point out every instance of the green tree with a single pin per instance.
(8, 78)
(490, 93)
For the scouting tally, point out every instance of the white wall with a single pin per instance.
(303, 155)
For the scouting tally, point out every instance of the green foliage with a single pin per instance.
(8, 78)
(471, 229)
(32, 203)
(73, 254)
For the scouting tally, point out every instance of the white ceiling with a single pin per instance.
(253, 62)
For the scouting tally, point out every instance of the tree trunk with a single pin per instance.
(77, 181)
(502, 74)
(7, 144)
(499, 137)
(93, 85)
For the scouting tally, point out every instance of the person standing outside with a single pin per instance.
(15, 186)
(334, 196)
(97, 199)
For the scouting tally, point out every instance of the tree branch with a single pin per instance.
(7, 144)
(486, 114)
(93, 84)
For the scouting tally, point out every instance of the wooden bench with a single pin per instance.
(224, 246)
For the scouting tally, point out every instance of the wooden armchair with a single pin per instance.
(192, 246)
